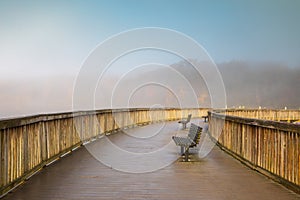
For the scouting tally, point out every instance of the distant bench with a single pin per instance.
(190, 141)
(205, 118)
(184, 122)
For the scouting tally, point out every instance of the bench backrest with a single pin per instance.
(189, 118)
(194, 132)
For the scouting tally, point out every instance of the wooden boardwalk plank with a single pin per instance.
(80, 176)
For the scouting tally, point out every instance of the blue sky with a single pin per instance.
(56, 36)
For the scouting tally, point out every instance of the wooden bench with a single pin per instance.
(184, 122)
(190, 141)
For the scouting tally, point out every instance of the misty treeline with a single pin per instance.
(247, 84)
(268, 85)
(250, 84)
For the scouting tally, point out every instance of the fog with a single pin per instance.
(247, 84)
(22, 97)
(269, 85)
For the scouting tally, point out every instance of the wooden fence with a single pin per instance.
(30, 143)
(271, 147)
(265, 114)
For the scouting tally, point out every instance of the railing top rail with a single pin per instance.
(254, 109)
(20, 121)
(257, 122)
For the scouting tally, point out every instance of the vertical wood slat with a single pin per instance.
(2, 146)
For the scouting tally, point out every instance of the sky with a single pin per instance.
(43, 36)
(53, 38)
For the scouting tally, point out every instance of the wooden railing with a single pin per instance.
(265, 114)
(271, 147)
(30, 143)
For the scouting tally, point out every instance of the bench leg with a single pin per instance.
(183, 125)
(186, 159)
(181, 150)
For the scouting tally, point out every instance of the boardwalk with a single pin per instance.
(80, 176)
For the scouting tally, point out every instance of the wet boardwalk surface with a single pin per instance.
(80, 176)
